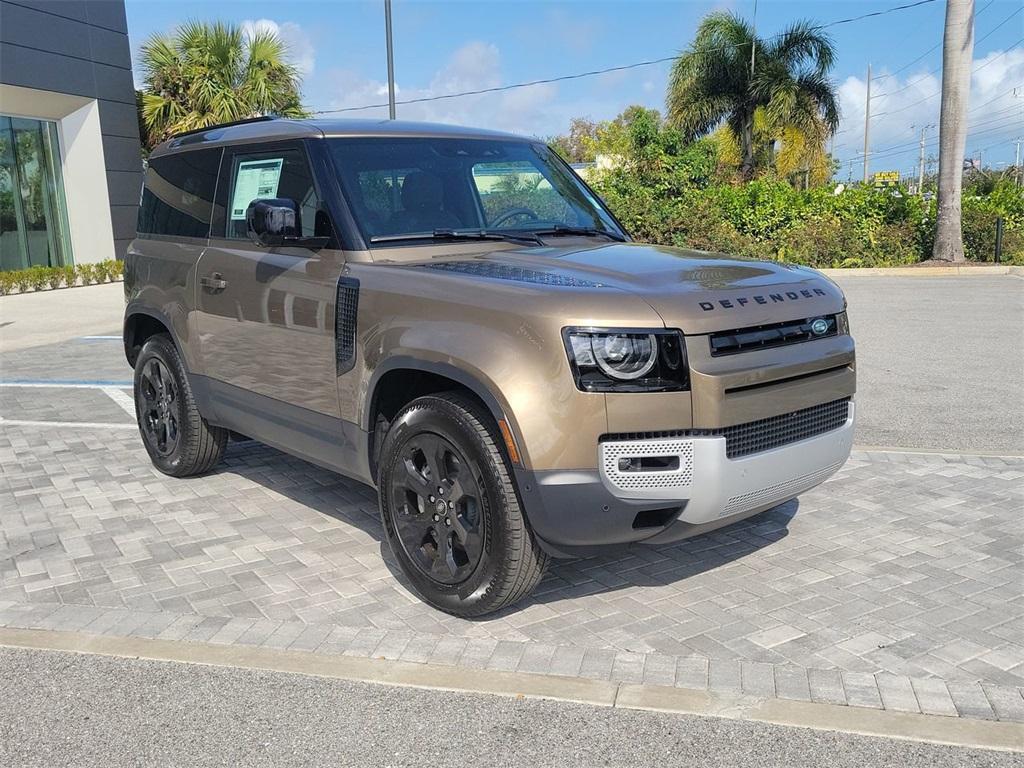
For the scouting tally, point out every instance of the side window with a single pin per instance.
(178, 196)
(268, 174)
(518, 184)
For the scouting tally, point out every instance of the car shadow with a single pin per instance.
(637, 565)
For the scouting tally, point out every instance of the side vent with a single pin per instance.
(346, 308)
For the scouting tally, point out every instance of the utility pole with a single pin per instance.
(753, 41)
(391, 60)
(1019, 173)
(867, 125)
(920, 170)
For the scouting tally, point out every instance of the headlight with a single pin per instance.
(610, 360)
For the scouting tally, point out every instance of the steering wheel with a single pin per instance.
(504, 216)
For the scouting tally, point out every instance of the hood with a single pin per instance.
(695, 291)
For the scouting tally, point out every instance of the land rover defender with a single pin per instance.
(454, 317)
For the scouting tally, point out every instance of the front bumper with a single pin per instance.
(579, 512)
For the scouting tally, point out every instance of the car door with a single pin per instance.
(265, 316)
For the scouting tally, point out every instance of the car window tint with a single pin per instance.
(505, 187)
(178, 195)
(408, 185)
(283, 173)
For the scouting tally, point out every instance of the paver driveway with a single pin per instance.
(897, 583)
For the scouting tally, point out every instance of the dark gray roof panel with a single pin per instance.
(279, 129)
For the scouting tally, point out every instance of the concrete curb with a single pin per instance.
(950, 271)
(1001, 736)
(937, 451)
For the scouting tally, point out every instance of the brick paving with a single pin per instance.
(897, 584)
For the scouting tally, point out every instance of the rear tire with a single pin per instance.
(178, 439)
(450, 510)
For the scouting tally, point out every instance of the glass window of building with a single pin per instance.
(33, 214)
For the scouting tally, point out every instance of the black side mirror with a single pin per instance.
(277, 221)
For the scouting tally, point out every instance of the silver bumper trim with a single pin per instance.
(714, 486)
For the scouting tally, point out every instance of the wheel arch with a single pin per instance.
(416, 377)
(139, 325)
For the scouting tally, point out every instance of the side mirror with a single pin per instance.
(277, 221)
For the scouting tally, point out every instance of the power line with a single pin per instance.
(937, 93)
(911, 63)
(996, 117)
(901, 149)
(936, 70)
(593, 72)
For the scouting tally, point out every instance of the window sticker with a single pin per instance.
(255, 179)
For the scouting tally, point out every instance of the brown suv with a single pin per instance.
(454, 317)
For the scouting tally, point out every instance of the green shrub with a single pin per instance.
(41, 278)
(23, 280)
(86, 273)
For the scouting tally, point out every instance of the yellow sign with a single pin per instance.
(887, 178)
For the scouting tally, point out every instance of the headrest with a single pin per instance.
(422, 191)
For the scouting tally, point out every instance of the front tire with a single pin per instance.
(178, 439)
(450, 510)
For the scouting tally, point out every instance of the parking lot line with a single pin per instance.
(77, 424)
(66, 384)
(120, 397)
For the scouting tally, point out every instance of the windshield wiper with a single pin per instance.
(460, 234)
(565, 229)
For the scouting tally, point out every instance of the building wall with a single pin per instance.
(70, 61)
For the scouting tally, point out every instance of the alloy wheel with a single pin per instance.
(437, 509)
(158, 407)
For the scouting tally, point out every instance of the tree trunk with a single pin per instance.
(957, 51)
(747, 145)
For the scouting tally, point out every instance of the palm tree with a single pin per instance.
(203, 74)
(728, 73)
(957, 50)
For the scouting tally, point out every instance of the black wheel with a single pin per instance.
(450, 510)
(177, 438)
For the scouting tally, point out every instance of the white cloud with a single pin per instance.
(301, 52)
(902, 105)
(474, 66)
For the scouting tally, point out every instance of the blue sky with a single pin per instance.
(446, 47)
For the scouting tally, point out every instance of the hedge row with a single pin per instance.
(46, 278)
(769, 219)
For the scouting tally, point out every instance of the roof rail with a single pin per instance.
(204, 129)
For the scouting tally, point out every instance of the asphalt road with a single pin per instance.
(68, 709)
(940, 361)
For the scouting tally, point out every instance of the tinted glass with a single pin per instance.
(178, 196)
(33, 215)
(398, 186)
(283, 173)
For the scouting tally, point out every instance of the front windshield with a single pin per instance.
(422, 186)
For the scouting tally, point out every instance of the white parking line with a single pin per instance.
(61, 424)
(117, 338)
(122, 398)
(67, 385)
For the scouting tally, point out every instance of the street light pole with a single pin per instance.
(391, 60)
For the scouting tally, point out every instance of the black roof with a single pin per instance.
(271, 128)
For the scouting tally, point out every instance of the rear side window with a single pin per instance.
(178, 197)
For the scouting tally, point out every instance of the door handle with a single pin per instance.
(214, 282)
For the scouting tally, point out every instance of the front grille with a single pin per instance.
(774, 335)
(763, 434)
